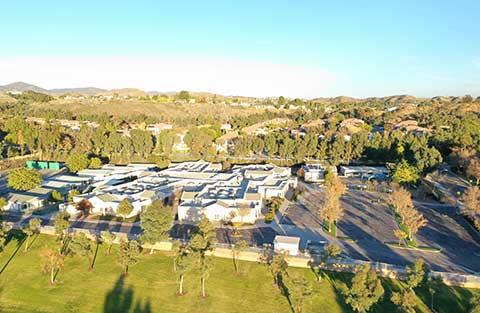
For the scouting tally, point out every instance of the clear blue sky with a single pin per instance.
(370, 48)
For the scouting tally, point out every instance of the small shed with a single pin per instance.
(286, 244)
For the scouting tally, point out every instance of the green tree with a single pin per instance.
(56, 196)
(238, 247)
(475, 304)
(77, 162)
(81, 245)
(183, 265)
(61, 224)
(72, 193)
(125, 208)
(176, 249)
(128, 254)
(366, 290)
(204, 238)
(108, 238)
(331, 251)
(299, 289)
(404, 300)
(159, 160)
(30, 229)
(95, 163)
(183, 95)
(203, 265)
(3, 203)
(278, 267)
(3, 236)
(417, 273)
(405, 173)
(24, 179)
(156, 222)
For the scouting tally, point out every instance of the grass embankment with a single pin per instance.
(151, 287)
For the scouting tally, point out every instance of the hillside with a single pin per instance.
(21, 86)
(86, 91)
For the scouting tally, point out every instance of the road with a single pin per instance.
(371, 223)
(256, 236)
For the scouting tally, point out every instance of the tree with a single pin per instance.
(125, 208)
(417, 273)
(81, 245)
(401, 235)
(31, 229)
(77, 162)
(366, 290)
(61, 224)
(238, 247)
(331, 251)
(159, 160)
(475, 304)
(3, 203)
(156, 222)
(183, 95)
(332, 209)
(128, 254)
(84, 206)
(278, 266)
(176, 249)
(471, 199)
(72, 193)
(405, 173)
(400, 199)
(473, 169)
(299, 289)
(56, 196)
(183, 264)
(3, 236)
(95, 163)
(404, 300)
(203, 265)
(413, 221)
(204, 238)
(108, 238)
(51, 262)
(24, 179)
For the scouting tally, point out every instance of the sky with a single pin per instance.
(258, 48)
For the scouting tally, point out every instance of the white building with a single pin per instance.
(362, 171)
(286, 244)
(315, 173)
(234, 196)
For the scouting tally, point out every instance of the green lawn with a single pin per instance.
(151, 287)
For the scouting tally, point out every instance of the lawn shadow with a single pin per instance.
(120, 299)
(445, 298)
(17, 235)
(20, 237)
(95, 254)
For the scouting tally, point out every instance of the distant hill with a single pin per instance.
(87, 91)
(21, 86)
(131, 92)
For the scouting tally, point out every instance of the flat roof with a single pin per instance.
(287, 239)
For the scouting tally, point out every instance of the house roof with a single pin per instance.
(287, 240)
(29, 195)
(253, 196)
(106, 197)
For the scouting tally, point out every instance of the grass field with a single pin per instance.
(151, 287)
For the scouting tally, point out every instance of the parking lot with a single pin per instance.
(370, 222)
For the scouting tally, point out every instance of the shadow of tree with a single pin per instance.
(120, 299)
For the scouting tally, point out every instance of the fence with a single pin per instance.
(257, 254)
